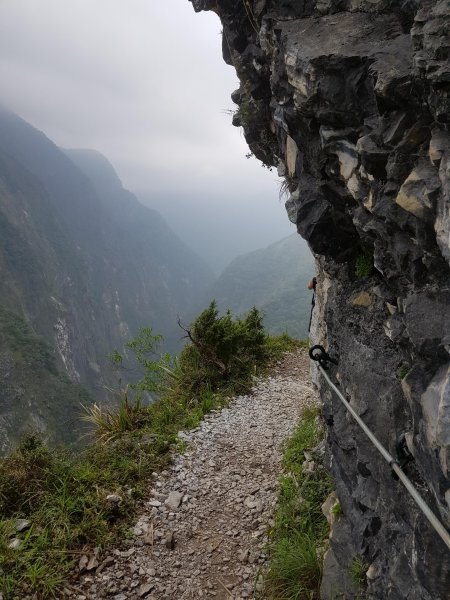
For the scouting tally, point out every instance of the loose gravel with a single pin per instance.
(203, 533)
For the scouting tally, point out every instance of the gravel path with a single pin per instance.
(203, 533)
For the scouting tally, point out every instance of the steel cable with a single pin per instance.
(323, 358)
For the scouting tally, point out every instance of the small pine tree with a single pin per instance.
(225, 348)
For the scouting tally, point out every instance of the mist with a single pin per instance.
(144, 83)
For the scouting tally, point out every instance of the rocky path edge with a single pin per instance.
(203, 530)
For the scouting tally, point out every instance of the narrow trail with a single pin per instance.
(204, 529)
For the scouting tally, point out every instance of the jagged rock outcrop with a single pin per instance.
(350, 101)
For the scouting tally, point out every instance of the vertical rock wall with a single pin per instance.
(349, 99)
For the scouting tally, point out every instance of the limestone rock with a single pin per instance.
(15, 544)
(114, 499)
(92, 564)
(362, 299)
(291, 155)
(336, 581)
(173, 500)
(145, 589)
(22, 525)
(83, 562)
(327, 508)
(418, 191)
(169, 540)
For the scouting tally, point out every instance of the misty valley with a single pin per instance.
(84, 266)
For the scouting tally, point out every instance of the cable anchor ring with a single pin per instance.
(320, 355)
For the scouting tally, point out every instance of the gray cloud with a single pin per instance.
(143, 82)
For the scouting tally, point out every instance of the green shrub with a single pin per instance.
(255, 117)
(223, 354)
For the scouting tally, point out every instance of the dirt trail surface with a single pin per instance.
(204, 531)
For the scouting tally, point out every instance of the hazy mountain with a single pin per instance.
(273, 279)
(205, 224)
(156, 275)
(83, 265)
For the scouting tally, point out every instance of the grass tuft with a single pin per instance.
(279, 344)
(110, 424)
(298, 537)
(364, 264)
(358, 570)
(403, 371)
(336, 510)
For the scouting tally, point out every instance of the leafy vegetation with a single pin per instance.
(298, 537)
(17, 336)
(64, 496)
(251, 115)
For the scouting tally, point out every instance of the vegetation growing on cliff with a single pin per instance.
(76, 503)
(28, 372)
(250, 114)
(364, 264)
(358, 570)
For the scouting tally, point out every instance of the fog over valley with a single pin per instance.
(145, 84)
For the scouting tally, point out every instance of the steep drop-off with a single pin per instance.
(349, 99)
(83, 265)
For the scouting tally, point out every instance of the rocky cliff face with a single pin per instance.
(349, 99)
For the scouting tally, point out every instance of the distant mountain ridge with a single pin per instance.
(274, 279)
(83, 265)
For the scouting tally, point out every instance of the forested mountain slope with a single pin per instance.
(83, 264)
(273, 279)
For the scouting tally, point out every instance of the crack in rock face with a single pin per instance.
(350, 101)
(203, 529)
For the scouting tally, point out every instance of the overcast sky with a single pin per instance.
(143, 82)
